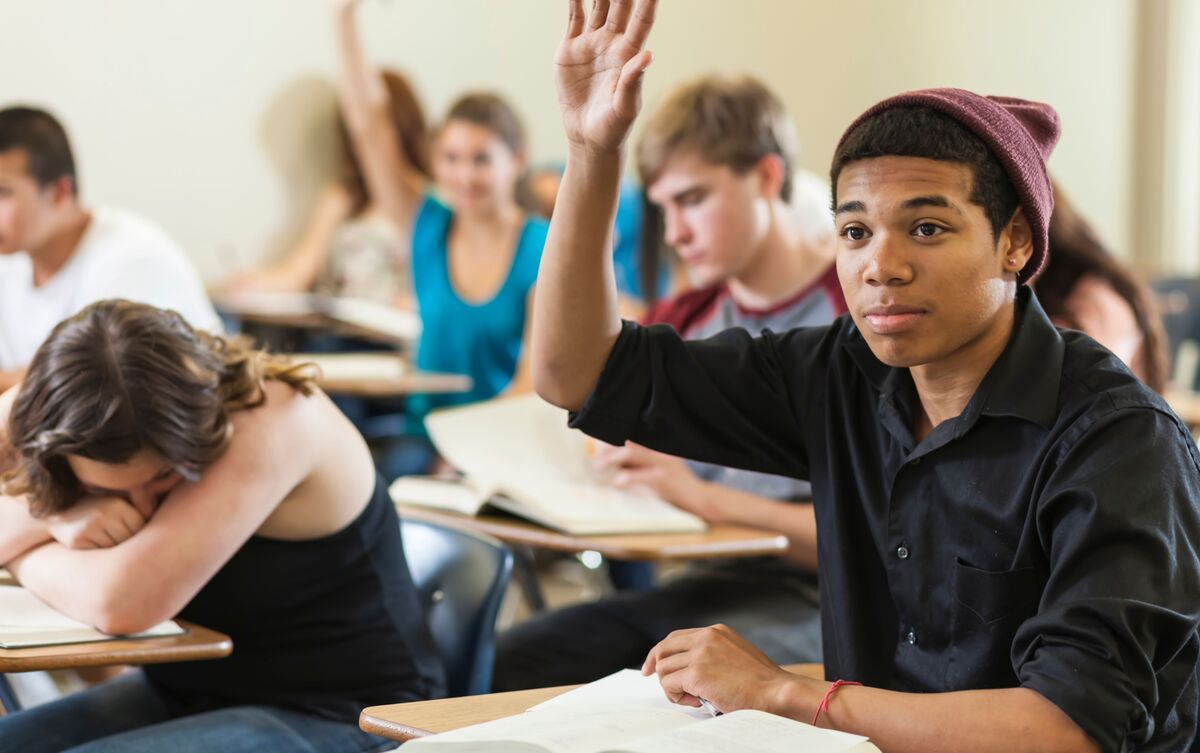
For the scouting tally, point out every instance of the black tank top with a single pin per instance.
(327, 626)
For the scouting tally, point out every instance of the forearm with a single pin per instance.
(1011, 720)
(19, 531)
(362, 91)
(795, 520)
(392, 182)
(576, 320)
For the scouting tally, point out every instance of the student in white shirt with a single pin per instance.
(57, 256)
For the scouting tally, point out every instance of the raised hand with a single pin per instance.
(598, 70)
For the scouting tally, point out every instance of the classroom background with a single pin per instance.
(228, 105)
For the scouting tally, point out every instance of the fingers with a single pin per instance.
(675, 642)
(618, 15)
(575, 18)
(637, 477)
(638, 28)
(599, 14)
(629, 85)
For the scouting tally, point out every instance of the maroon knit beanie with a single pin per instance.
(1021, 134)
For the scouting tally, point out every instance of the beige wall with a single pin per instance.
(213, 116)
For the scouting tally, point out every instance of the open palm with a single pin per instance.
(598, 70)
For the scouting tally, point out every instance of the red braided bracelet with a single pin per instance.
(829, 697)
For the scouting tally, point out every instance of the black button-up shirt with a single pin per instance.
(1047, 537)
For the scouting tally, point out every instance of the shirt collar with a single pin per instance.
(1023, 383)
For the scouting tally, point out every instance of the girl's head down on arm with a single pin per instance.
(125, 399)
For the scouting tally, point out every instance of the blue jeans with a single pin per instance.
(127, 715)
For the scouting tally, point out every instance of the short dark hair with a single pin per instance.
(917, 131)
(44, 141)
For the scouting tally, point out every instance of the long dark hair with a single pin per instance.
(120, 377)
(1075, 251)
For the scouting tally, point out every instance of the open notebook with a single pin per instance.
(25, 621)
(518, 455)
(628, 713)
(393, 322)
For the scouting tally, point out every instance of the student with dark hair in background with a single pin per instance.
(1084, 287)
(153, 471)
(57, 255)
(1007, 519)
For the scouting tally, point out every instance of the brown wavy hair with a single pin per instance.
(412, 132)
(120, 377)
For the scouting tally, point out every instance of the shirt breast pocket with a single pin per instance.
(989, 607)
(993, 595)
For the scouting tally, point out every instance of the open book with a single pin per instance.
(389, 321)
(627, 713)
(517, 454)
(26, 621)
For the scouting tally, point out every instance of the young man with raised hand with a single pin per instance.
(718, 162)
(1007, 519)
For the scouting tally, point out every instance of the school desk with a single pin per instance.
(406, 721)
(197, 643)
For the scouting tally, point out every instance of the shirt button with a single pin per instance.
(902, 552)
(911, 638)
(916, 461)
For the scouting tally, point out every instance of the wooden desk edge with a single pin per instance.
(198, 643)
(373, 721)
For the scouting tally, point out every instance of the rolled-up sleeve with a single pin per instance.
(1114, 641)
(732, 399)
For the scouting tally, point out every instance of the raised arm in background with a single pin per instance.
(598, 75)
(393, 182)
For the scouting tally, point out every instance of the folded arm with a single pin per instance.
(152, 575)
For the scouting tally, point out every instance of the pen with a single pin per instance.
(708, 706)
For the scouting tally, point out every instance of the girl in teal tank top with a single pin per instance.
(475, 250)
(483, 339)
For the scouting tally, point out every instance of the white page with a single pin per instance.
(523, 446)
(363, 366)
(627, 687)
(565, 730)
(21, 609)
(448, 494)
(749, 732)
(27, 621)
(376, 316)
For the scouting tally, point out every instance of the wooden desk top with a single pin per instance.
(405, 721)
(405, 384)
(197, 643)
(719, 542)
